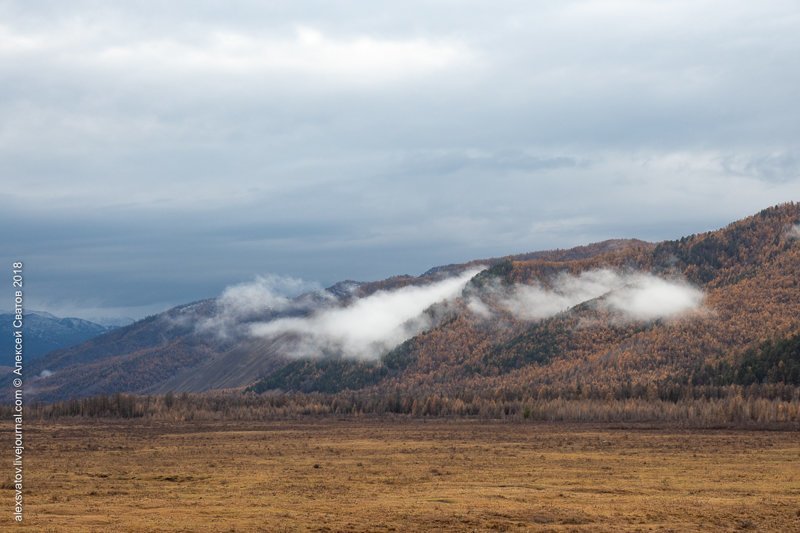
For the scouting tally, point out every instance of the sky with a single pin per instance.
(152, 154)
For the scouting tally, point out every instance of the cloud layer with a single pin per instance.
(368, 327)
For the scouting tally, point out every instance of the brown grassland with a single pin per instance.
(363, 474)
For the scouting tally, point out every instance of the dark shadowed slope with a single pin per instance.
(45, 333)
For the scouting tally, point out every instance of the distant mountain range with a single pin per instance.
(45, 332)
(719, 307)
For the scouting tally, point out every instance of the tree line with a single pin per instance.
(733, 405)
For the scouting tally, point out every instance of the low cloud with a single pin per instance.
(247, 301)
(307, 321)
(647, 297)
(479, 308)
(794, 232)
(269, 292)
(636, 296)
(367, 328)
(535, 302)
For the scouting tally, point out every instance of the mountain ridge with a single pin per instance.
(45, 332)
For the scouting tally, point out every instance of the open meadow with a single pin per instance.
(406, 475)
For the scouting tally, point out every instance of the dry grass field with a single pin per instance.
(372, 475)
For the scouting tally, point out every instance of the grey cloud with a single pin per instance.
(449, 162)
(771, 167)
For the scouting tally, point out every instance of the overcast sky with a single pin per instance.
(152, 155)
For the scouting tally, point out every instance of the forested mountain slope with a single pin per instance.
(749, 273)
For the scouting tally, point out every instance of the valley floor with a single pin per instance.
(408, 475)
